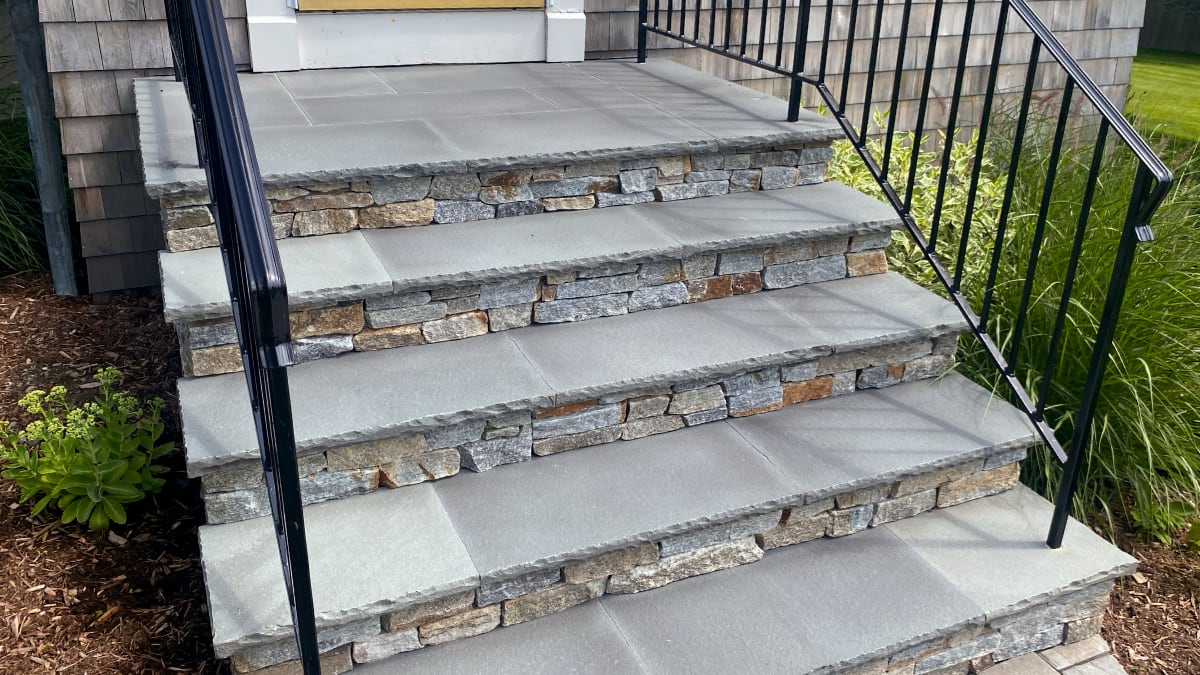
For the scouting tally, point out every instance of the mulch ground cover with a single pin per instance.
(132, 601)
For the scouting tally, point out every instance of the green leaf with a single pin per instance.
(98, 521)
(83, 509)
(1193, 536)
(42, 504)
(124, 492)
(114, 511)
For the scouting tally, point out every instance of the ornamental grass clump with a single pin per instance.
(89, 461)
(1144, 450)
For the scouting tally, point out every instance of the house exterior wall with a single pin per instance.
(95, 48)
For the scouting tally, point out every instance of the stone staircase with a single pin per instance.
(577, 344)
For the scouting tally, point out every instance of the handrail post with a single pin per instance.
(643, 16)
(1118, 282)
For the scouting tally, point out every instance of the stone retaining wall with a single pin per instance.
(329, 208)
(653, 564)
(237, 492)
(425, 315)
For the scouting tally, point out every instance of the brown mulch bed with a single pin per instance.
(75, 601)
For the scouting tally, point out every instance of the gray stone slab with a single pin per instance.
(721, 337)
(363, 396)
(582, 503)
(407, 528)
(1018, 570)
(582, 640)
(836, 444)
(415, 106)
(319, 270)
(340, 83)
(471, 77)
(798, 609)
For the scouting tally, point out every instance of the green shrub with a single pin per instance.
(1145, 438)
(22, 239)
(86, 461)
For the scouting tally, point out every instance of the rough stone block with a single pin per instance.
(330, 221)
(700, 266)
(462, 212)
(580, 203)
(866, 495)
(604, 168)
(188, 217)
(657, 297)
(489, 453)
(375, 453)
(281, 224)
(507, 178)
(326, 486)
(670, 193)
(608, 564)
(574, 187)
(673, 166)
(707, 176)
(281, 194)
(518, 209)
(415, 615)
(926, 367)
(567, 408)
(944, 345)
(1016, 645)
(609, 270)
(330, 640)
(236, 505)
(456, 327)
(695, 400)
(388, 338)
(878, 377)
(778, 177)
(836, 246)
(708, 162)
(978, 485)
(747, 282)
(240, 476)
(882, 355)
(604, 199)
(660, 272)
(705, 416)
(800, 392)
(693, 563)
(796, 530)
(812, 271)
(455, 186)
(926, 481)
(745, 180)
(1083, 629)
(323, 202)
(739, 261)
(844, 383)
(431, 465)
(192, 239)
(398, 300)
(507, 318)
(550, 600)
(756, 401)
(385, 645)
(580, 309)
(398, 214)
(868, 241)
(848, 521)
(344, 320)
(650, 426)
(1005, 458)
(904, 507)
(505, 194)
(467, 624)
(647, 406)
(710, 536)
(506, 293)
(866, 262)
(638, 180)
(469, 303)
(334, 662)
(549, 173)
(506, 589)
(390, 190)
(557, 444)
(386, 318)
(216, 360)
(753, 381)
(591, 287)
(574, 423)
(787, 253)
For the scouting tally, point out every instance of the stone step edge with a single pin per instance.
(425, 313)
(303, 208)
(643, 567)
(236, 491)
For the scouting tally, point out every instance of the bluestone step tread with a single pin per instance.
(368, 395)
(522, 517)
(393, 546)
(629, 111)
(819, 605)
(360, 264)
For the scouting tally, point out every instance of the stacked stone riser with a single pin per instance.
(376, 202)
(236, 491)
(417, 316)
(704, 549)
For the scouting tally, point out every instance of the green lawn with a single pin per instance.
(1165, 91)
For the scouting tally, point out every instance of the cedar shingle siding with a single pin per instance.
(96, 47)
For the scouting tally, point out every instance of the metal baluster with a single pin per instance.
(924, 105)
(952, 121)
(825, 36)
(894, 105)
(844, 101)
(782, 25)
(728, 23)
(643, 12)
(762, 27)
(799, 51)
(873, 61)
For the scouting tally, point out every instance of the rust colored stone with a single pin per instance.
(799, 392)
(866, 262)
(757, 410)
(896, 371)
(710, 289)
(747, 282)
(566, 409)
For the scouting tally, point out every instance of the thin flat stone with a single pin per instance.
(507, 536)
(320, 271)
(408, 528)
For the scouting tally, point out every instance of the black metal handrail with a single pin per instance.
(762, 34)
(204, 63)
